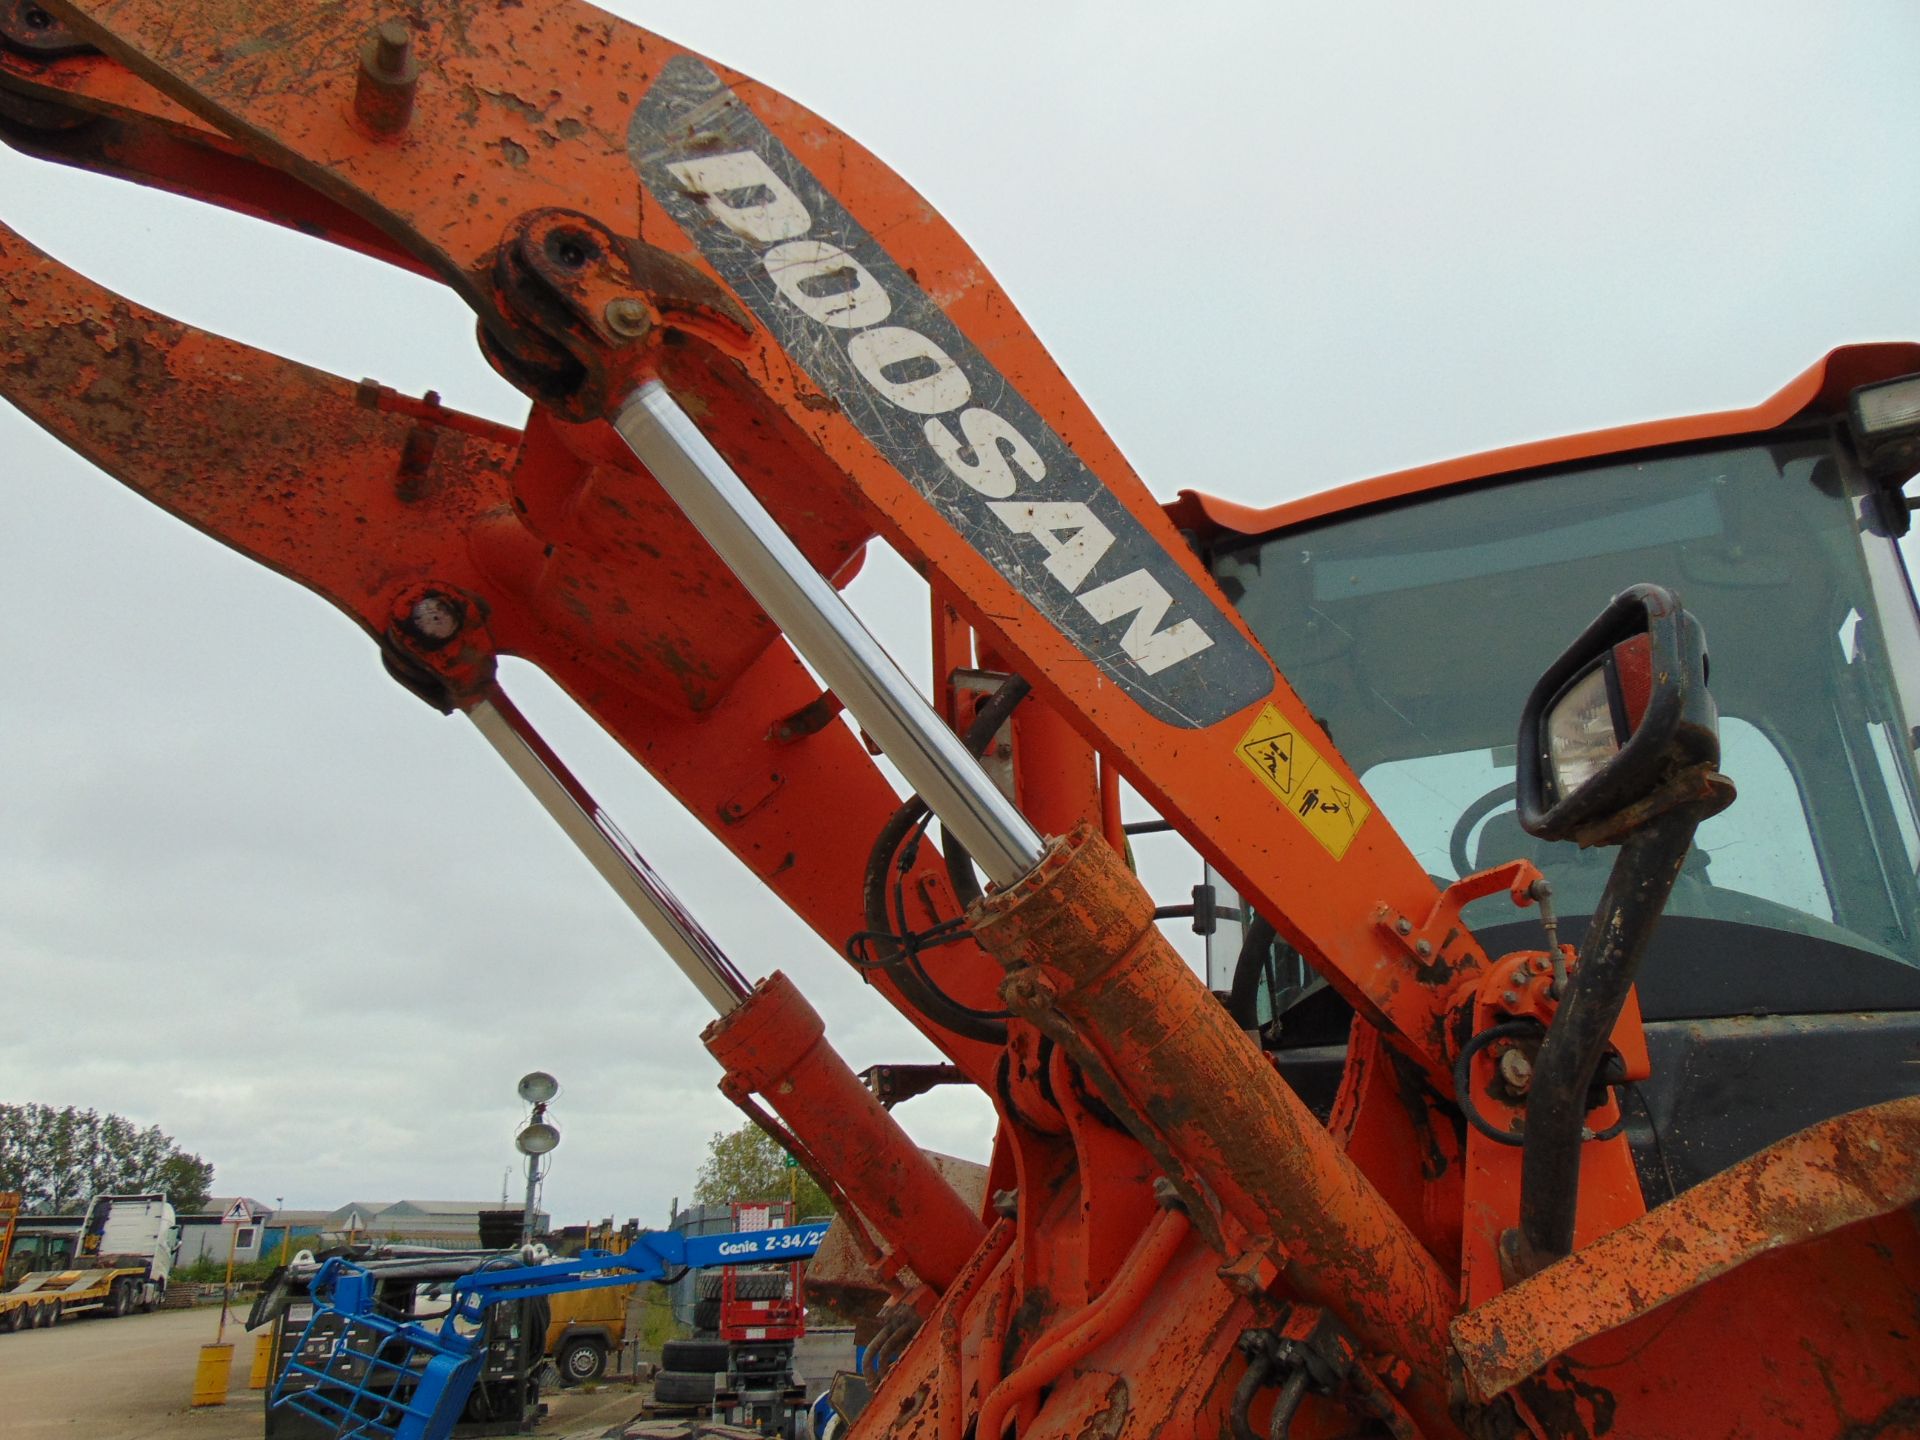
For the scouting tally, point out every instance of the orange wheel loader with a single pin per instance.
(1554, 1073)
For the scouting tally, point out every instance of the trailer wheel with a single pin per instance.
(121, 1301)
(580, 1360)
(53, 1313)
(9, 1319)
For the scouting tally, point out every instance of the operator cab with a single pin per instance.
(1783, 984)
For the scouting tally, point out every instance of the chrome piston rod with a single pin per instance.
(563, 797)
(828, 634)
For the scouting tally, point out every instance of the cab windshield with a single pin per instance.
(1414, 632)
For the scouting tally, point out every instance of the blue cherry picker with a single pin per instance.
(362, 1373)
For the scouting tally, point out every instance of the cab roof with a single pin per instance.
(1821, 388)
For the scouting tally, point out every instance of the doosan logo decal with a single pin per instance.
(930, 401)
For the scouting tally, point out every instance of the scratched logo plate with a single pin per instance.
(926, 397)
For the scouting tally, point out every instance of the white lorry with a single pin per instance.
(121, 1258)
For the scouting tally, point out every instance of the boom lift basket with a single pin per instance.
(366, 1375)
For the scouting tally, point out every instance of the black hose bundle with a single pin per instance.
(889, 943)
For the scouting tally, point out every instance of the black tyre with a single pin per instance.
(10, 1319)
(706, 1316)
(747, 1285)
(677, 1387)
(703, 1357)
(53, 1313)
(121, 1301)
(581, 1359)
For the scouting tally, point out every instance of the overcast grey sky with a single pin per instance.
(252, 892)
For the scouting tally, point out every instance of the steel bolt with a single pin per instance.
(628, 318)
(1006, 1202)
(1519, 976)
(391, 42)
(435, 617)
(1516, 1070)
(389, 75)
(1423, 948)
(1511, 998)
(1403, 925)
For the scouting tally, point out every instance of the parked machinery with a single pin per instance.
(370, 1362)
(114, 1261)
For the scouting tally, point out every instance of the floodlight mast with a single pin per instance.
(536, 1137)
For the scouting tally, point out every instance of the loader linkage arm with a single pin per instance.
(750, 350)
(577, 310)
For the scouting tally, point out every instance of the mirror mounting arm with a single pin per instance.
(1653, 847)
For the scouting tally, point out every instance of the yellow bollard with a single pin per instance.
(212, 1374)
(262, 1360)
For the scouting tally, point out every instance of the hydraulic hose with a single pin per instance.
(1091, 1327)
(1085, 957)
(993, 713)
(918, 990)
(1249, 969)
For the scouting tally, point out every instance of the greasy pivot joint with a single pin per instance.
(580, 309)
(30, 29)
(437, 646)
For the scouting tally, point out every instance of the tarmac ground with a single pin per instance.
(132, 1379)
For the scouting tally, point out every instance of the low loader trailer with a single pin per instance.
(125, 1253)
(46, 1297)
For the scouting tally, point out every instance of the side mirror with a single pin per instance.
(1623, 711)
(1619, 745)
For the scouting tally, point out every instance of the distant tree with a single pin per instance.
(57, 1159)
(746, 1164)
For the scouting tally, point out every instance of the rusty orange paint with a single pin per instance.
(279, 78)
(1829, 1176)
(296, 469)
(1077, 936)
(567, 554)
(775, 1045)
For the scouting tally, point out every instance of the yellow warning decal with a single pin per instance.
(1312, 790)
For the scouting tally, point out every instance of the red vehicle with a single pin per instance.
(759, 1316)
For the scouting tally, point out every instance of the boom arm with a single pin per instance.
(656, 1255)
(358, 1371)
(988, 470)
